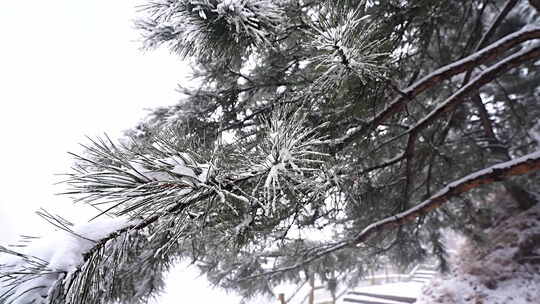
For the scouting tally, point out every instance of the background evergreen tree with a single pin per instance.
(322, 138)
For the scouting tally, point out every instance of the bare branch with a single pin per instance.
(457, 98)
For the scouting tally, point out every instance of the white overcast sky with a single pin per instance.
(70, 69)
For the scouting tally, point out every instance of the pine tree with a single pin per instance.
(323, 138)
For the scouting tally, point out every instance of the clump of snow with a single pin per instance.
(170, 169)
(71, 246)
(248, 219)
(506, 271)
(534, 132)
(243, 16)
(233, 6)
(60, 253)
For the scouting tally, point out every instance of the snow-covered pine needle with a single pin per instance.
(210, 28)
(32, 276)
(136, 180)
(346, 45)
(287, 158)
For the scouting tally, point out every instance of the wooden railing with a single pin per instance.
(420, 273)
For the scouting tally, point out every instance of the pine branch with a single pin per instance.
(460, 96)
(162, 183)
(482, 79)
(519, 166)
(249, 209)
(210, 29)
(346, 45)
(453, 101)
(508, 6)
(483, 56)
(476, 99)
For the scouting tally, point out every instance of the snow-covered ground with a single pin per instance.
(507, 270)
(298, 294)
(400, 289)
(404, 289)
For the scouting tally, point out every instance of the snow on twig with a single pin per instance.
(29, 277)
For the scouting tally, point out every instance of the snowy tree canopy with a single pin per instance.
(322, 139)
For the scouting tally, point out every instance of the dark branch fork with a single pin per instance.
(460, 96)
(457, 98)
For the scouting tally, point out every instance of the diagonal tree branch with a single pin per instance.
(485, 55)
(519, 166)
(476, 99)
(484, 78)
(496, 23)
(457, 98)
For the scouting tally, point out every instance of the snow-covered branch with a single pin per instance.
(163, 183)
(460, 96)
(519, 166)
(485, 55)
(457, 98)
(210, 28)
(29, 277)
(483, 78)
